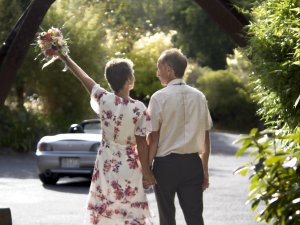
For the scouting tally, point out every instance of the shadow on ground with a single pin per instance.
(70, 185)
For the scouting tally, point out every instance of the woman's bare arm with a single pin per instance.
(153, 139)
(142, 148)
(85, 79)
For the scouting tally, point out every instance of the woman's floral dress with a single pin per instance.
(116, 195)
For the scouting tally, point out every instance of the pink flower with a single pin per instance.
(129, 191)
(109, 114)
(50, 52)
(125, 102)
(101, 209)
(117, 100)
(107, 166)
(51, 43)
(45, 36)
(135, 119)
(95, 175)
(99, 95)
(136, 109)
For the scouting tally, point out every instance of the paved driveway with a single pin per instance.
(31, 203)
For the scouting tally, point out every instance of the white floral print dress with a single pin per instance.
(116, 195)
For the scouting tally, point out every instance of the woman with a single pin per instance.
(116, 195)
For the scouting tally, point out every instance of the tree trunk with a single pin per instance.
(228, 17)
(14, 49)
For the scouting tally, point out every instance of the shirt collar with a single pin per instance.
(176, 82)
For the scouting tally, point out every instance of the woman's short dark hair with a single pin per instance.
(117, 72)
(175, 59)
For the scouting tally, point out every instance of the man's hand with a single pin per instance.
(148, 180)
(205, 184)
(204, 157)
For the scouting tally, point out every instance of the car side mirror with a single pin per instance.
(76, 128)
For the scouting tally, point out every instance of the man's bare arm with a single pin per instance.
(204, 157)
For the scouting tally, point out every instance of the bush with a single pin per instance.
(21, 130)
(145, 53)
(228, 100)
(275, 174)
(274, 50)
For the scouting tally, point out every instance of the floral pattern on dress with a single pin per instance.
(116, 195)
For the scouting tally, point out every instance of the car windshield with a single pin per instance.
(92, 128)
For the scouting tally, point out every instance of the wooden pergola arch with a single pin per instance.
(14, 49)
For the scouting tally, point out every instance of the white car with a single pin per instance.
(70, 154)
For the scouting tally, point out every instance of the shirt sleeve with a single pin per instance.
(154, 111)
(96, 95)
(143, 125)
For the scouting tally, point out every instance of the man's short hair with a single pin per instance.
(117, 72)
(175, 59)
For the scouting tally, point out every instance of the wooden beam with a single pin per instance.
(14, 49)
(228, 17)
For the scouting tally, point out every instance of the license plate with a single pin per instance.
(69, 162)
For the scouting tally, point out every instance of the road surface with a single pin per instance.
(32, 203)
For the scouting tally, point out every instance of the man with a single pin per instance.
(180, 134)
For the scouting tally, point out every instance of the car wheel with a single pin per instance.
(48, 179)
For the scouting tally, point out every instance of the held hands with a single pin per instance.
(148, 179)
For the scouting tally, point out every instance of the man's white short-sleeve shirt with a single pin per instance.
(180, 113)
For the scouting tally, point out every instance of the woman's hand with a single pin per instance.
(62, 56)
(148, 180)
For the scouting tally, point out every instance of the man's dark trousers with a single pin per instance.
(181, 174)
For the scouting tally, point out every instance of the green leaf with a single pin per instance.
(297, 10)
(298, 99)
(255, 204)
(274, 159)
(253, 132)
(242, 139)
(243, 170)
(296, 63)
(241, 151)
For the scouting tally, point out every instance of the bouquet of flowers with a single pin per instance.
(52, 44)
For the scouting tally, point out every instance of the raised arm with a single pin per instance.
(85, 79)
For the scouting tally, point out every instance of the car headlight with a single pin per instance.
(95, 147)
(44, 147)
